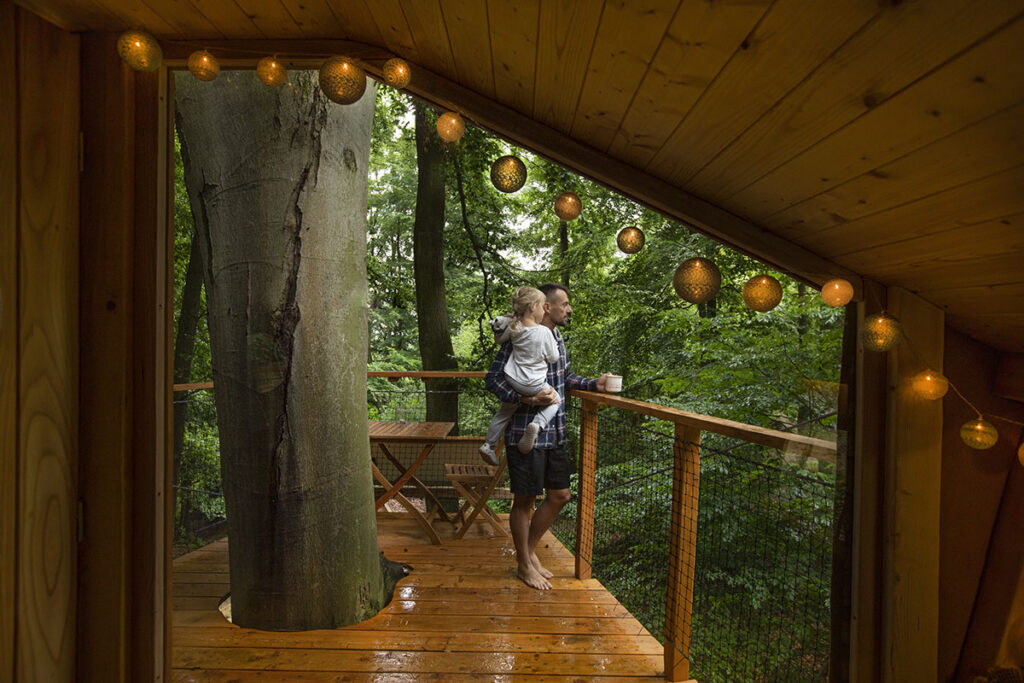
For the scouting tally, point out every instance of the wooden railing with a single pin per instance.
(688, 429)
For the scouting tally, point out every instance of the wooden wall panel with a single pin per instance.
(107, 228)
(48, 72)
(8, 337)
(904, 42)
(910, 588)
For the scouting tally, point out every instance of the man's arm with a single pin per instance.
(495, 379)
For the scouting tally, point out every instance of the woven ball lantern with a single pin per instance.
(342, 81)
(508, 173)
(881, 332)
(140, 51)
(979, 434)
(762, 293)
(203, 65)
(930, 385)
(271, 72)
(568, 206)
(397, 73)
(837, 292)
(630, 240)
(450, 127)
(697, 280)
(1020, 453)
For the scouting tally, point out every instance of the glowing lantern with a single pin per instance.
(508, 173)
(881, 332)
(697, 280)
(140, 51)
(1020, 453)
(342, 81)
(630, 240)
(271, 72)
(203, 65)
(568, 206)
(979, 434)
(762, 293)
(930, 385)
(397, 73)
(450, 127)
(837, 292)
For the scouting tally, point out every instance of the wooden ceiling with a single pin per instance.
(883, 136)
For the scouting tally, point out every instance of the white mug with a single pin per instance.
(613, 383)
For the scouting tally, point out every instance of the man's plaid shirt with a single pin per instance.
(560, 377)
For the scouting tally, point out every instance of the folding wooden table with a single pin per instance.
(426, 433)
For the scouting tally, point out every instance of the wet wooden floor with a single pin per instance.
(461, 615)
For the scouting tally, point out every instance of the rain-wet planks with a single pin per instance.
(460, 615)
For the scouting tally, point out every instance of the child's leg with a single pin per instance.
(500, 421)
(546, 414)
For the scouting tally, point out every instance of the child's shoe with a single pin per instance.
(487, 453)
(529, 438)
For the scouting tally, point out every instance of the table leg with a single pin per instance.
(407, 504)
(419, 484)
(406, 476)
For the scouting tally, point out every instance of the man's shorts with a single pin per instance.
(541, 468)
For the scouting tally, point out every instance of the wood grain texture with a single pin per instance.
(469, 34)
(682, 552)
(107, 230)
(460, 611)
(271, 17)
(565, 40)
(587, 490)
(432, 44)
(8, 338)
(901, 44)
(48, 349)
(514, 51)
(910, 589)
(394, 28)
(315, 18)
(788, 44)
(627, 38)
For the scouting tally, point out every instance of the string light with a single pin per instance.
(630, 240)
(881, 332)
(271, 72)
(342, 81)
(837, 292)
(568, 206)
(508, 173)
(762, 293)
(396, 72)
(450, 127)
(979, 434)
(139, 50)
(203, 65)
(697, 280)
(930, 384)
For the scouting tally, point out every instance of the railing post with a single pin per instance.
(585, 497)
(682, 552)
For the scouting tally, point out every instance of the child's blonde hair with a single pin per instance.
(523, 298)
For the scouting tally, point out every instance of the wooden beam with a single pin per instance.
(587, 491)
(682, 556)
(910, 589)
(642, 187)
(8, 337)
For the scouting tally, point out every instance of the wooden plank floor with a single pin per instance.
(460, 615)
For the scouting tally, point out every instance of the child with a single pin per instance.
(533, 348)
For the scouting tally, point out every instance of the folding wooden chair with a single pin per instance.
(476, 483)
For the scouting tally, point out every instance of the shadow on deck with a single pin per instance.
(460, 615)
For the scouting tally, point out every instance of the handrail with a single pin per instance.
(386, 374)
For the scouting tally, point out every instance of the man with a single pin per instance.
(547, 467)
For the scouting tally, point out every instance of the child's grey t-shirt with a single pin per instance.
(532, 349)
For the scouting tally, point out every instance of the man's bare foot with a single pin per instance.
(539, 567)
(533, 579)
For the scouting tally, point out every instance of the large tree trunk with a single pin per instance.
(428, 264)
(184, 346)
(279, 178)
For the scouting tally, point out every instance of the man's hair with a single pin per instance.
(549, 288)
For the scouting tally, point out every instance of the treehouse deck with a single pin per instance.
(461, 614)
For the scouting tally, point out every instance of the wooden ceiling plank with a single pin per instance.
(469, 33)
(565, 42)
(978, 83)
(316, 18)
(272, 18)
(700, 41)
(904, 42)
(977, 241)
(78, 16)
(394, 28)
(787, 45)
(627, 38)
(427, 24)
(981, 200)
(514, 51)
(989, 146)
(357, 21)
(182, 16)
(956, 273)
(994, 300)
(1000, 332)
(229, 19)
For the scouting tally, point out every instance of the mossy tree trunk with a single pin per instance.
(428, 264)
(279, 178)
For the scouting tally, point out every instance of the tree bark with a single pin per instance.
(278, 177)
(184, 346)
(428, 265)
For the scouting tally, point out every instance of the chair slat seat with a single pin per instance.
(477, 483)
